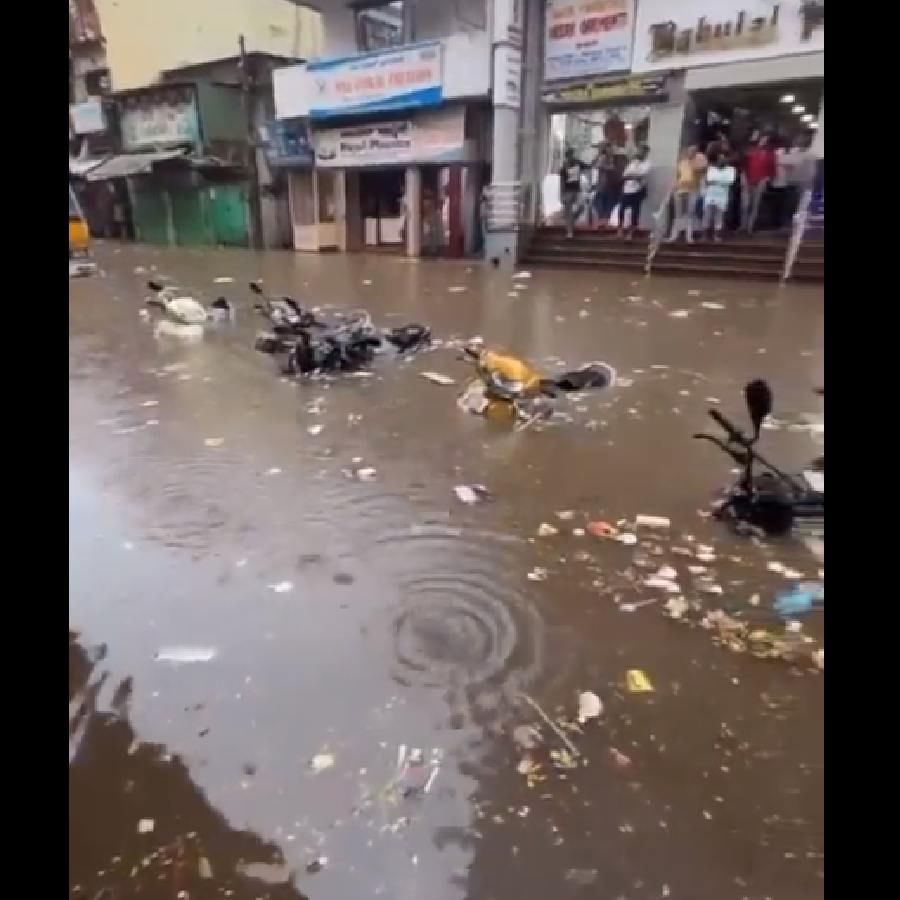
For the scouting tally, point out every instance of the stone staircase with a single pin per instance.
(737, 256)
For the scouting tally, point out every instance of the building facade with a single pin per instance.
(666, 75)
(406, 125)
(145, 38)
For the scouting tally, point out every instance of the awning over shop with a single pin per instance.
(129, 164)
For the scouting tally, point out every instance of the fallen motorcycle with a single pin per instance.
(770, 500)
(347, 342)
(509, 389)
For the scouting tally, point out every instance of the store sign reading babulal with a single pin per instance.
(435, 137)
(702, 32)
(587, 37)
(408, 78)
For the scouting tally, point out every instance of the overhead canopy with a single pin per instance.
(129, 164)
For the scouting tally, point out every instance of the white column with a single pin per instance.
(413, 202)
(818, 144)
(501, 241)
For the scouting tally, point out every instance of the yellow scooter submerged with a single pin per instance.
(508, 389)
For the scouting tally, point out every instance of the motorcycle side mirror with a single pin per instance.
(758, 395)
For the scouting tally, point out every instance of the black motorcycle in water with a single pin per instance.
(770, 500)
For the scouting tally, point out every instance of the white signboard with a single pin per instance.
(161, 123)
(508, 22)
(431, 137)
(507, 76)
(587, 37)
(405, 78)
(703, 32)
(87, 117)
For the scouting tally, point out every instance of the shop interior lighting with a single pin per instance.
(799, 108)
(788, 98)
(807, 118)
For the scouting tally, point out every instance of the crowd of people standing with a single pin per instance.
(716, 188)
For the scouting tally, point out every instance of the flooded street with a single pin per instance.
(336, 622)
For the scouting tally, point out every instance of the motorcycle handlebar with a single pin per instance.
(732, 432)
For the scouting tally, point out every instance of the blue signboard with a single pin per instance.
(287, 143)
(402, 78)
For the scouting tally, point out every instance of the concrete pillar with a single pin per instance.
(818, 144)
(413, 201)
(505, 208)
(664, 138)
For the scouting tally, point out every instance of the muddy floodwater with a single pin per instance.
(258, 635)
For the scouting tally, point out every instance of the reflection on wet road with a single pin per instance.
(240, 607)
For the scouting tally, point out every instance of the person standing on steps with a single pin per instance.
(719, 179)
(782, 190)
(688, 177)
(758, 172)
(570, 183)
(606, 193)
(634, 190)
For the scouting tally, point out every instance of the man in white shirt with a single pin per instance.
(634, 190)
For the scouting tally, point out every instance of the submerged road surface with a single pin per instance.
(260, 639)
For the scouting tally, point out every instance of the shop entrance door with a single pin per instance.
(381, 196)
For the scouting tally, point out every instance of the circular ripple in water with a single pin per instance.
(461, 621)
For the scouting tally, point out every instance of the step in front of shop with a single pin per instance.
(737, 257)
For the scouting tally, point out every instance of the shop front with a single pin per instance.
(613, 115)
(593, 104)
(752, 70)
(398, 137)
(398, 185)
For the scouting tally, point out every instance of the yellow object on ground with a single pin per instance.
(508, 375)
(79, 236)
(638, 682)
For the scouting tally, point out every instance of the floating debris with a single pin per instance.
(538, 573)
(214, 441)
(315, 430)
(711, 304)
(145, 826)
(619, 758)
(317, 865)
(456, 289)
(523, 275)
(526, 737)
(641, 520)
(185, 654)
(800, 599)
(223, 279)
(547, 530)
(638, 682)
(550, 724)
(204, 868)
(679, 314)
(470, 494)
(589, 706)
(438, 378)
(602, 529)
(282, 587)
(676, 607)
(367, 473)
(321, 761)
